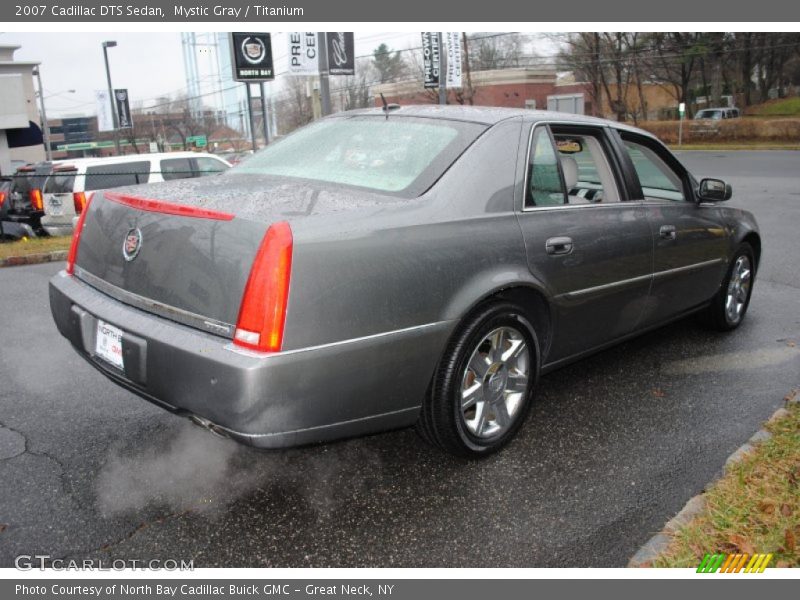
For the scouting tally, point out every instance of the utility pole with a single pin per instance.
(324, 83)
(48, 151)
(114, 116)
(467, 72)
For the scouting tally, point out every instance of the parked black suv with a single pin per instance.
(24, 203)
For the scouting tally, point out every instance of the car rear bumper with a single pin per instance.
(62, 225)
(285, 399)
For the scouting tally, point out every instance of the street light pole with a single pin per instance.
(115, 118)
(48, 151)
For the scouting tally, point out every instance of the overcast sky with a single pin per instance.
(148, 64)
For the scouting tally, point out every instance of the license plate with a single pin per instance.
(55, 206)
(109, 344)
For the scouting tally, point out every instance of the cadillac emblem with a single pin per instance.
(132, 244)
(253, 50)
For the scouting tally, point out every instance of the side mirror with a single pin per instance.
(714, 190)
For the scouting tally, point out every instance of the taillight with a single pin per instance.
(79, 201)
(76, 239)
(36, 199)
(262, 315)
(2, 199)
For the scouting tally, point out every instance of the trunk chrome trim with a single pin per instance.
(253, 354)
(184, 317)
(641, 278)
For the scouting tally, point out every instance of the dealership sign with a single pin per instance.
(123, 107)
(431, 58)
(105, 121)
(341, 53)
(453, 59)
(252, 57)
(303, 53)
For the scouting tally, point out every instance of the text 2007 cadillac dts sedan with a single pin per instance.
(391, 267)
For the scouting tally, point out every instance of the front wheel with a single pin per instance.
(729, 306)
(482, 388)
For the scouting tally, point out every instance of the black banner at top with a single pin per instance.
(360, 11)
(341, 53)
(431, 58)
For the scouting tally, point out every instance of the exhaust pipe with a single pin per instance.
(209, 426)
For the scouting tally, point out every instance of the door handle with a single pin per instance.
(559, 245)
(668, 232)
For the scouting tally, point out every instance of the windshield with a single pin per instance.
(399, 155)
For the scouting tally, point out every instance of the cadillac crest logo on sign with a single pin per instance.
(253, 50)
(132, 244)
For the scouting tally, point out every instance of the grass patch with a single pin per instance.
(784, 107)
(34, 246)
(754, 507)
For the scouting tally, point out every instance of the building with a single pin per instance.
(20, 125)
(536, 88)
(533, 88)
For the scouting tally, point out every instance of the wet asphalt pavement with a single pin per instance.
(615, 444)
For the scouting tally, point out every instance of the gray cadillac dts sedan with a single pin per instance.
(394, 267)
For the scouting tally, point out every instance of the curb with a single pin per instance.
(657, 544)
(33, 259)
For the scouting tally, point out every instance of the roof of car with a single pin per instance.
(488, 115)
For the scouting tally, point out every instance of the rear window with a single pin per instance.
(60, 182)
(400, 155)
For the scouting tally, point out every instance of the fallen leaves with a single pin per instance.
(789, 540)
(741, 544)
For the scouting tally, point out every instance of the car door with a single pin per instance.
(689, 239)
(585, 241)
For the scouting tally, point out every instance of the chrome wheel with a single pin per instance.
(495, 382)
(738, 289)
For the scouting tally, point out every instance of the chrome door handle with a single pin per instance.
(668, 232)
(559, 245)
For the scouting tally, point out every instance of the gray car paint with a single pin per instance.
(378, 284)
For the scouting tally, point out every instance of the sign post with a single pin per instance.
(251, 58)
(681, 111)
(324, 83)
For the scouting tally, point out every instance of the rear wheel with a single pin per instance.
(482, 388)
(729, 306)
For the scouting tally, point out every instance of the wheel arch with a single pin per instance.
(524, 291)
(754, 239)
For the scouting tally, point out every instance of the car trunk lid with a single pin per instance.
(184, 249)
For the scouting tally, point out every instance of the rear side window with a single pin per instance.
(545, 187)
(102, 177)
(60, 182)
(658, 180)
(176, 168)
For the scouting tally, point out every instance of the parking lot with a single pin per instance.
(614, 446)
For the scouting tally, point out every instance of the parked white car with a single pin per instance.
(72, 182)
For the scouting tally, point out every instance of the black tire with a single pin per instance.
(715, 315)
(442, 421)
